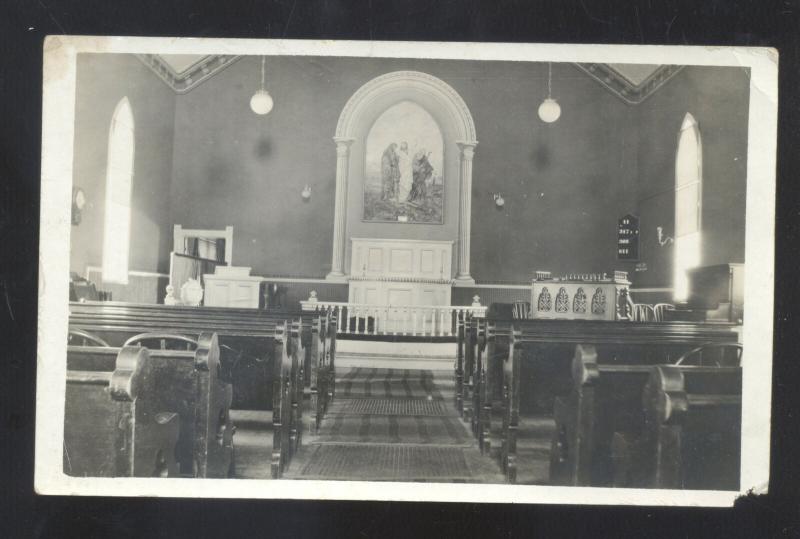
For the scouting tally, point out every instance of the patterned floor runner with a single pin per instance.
(386, 463)
(393, 425)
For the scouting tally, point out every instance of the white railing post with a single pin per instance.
(415, 320)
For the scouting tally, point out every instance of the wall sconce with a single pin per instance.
(78, 203)
(499, 201)
(306, 193)
(662, 239)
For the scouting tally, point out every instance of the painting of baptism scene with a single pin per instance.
(404, 156)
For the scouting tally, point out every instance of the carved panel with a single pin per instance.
(599, 302)
(562, 300)
(579, 302)
(545, 302)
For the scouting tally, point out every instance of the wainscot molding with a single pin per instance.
(132, 273)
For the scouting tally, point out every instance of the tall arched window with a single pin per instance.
(119, 177)
(688, 203)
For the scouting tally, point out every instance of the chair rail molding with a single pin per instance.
(355, 120)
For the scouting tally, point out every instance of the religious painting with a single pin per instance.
(403, 180)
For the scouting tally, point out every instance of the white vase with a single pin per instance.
(191, 293)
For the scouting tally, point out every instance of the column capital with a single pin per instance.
(467, 148)
(343, 144)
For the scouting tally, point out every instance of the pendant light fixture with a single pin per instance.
(261, 102)
(549, 110)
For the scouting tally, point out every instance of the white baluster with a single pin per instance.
(339, 319)
(375, 321)
(414, 322)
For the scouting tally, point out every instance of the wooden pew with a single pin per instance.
(185, 383)
(475, 331)
(541, 351)
(466, 341)
(493, 340)
(189, 383)
(606, 400)
(319, 340)
(271, 350)
(113, 427)
(239, 330)
(692, 436)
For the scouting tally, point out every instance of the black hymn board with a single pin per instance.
(628, 238)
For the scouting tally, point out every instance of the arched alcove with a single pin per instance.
(359, 115)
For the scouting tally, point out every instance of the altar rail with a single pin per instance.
(410, 320)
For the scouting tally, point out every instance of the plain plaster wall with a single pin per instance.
(203, 159)
(102, 81)
(565, 184)
(718, 98)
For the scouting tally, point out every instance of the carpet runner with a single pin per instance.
(393, 425)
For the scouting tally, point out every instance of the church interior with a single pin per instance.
(391, 269)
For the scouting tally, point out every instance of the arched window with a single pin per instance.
(688, 204)
(119, 176)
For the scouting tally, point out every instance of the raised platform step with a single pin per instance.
(438, 356)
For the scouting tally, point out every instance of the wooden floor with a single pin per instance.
(388, 425)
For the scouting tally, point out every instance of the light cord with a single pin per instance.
(263, 60)
(549, 79)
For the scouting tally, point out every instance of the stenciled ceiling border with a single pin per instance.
(193, 76)
(631, 93)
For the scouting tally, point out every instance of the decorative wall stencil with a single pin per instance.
(562, 301)
(190, 74)
(599, 302)
(579, 301)
(403, 171)
(632, 90)
(544, 303)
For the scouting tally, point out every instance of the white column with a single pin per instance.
(465, 212)
(340, 212)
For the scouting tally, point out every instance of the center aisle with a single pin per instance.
(393, 425)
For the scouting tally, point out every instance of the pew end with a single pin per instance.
(112, 425)
(693, 419)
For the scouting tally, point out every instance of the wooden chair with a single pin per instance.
(660, 310)
(84, 338)
(713, 354)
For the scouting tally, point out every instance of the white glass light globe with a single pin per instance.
(549, 110)
(261, 102)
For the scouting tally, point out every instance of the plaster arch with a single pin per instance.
(458, 130)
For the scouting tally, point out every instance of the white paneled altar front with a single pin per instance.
(400, 272)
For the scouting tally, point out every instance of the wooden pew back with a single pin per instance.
(112, 425)
(186, 383)
(245, 336)
(605, 399)
(535, 342)
(693, 420)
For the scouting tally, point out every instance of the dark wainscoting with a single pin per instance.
(147, 288)
(291, 293)
(498, 294)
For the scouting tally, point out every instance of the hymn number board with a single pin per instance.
(628, 238)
